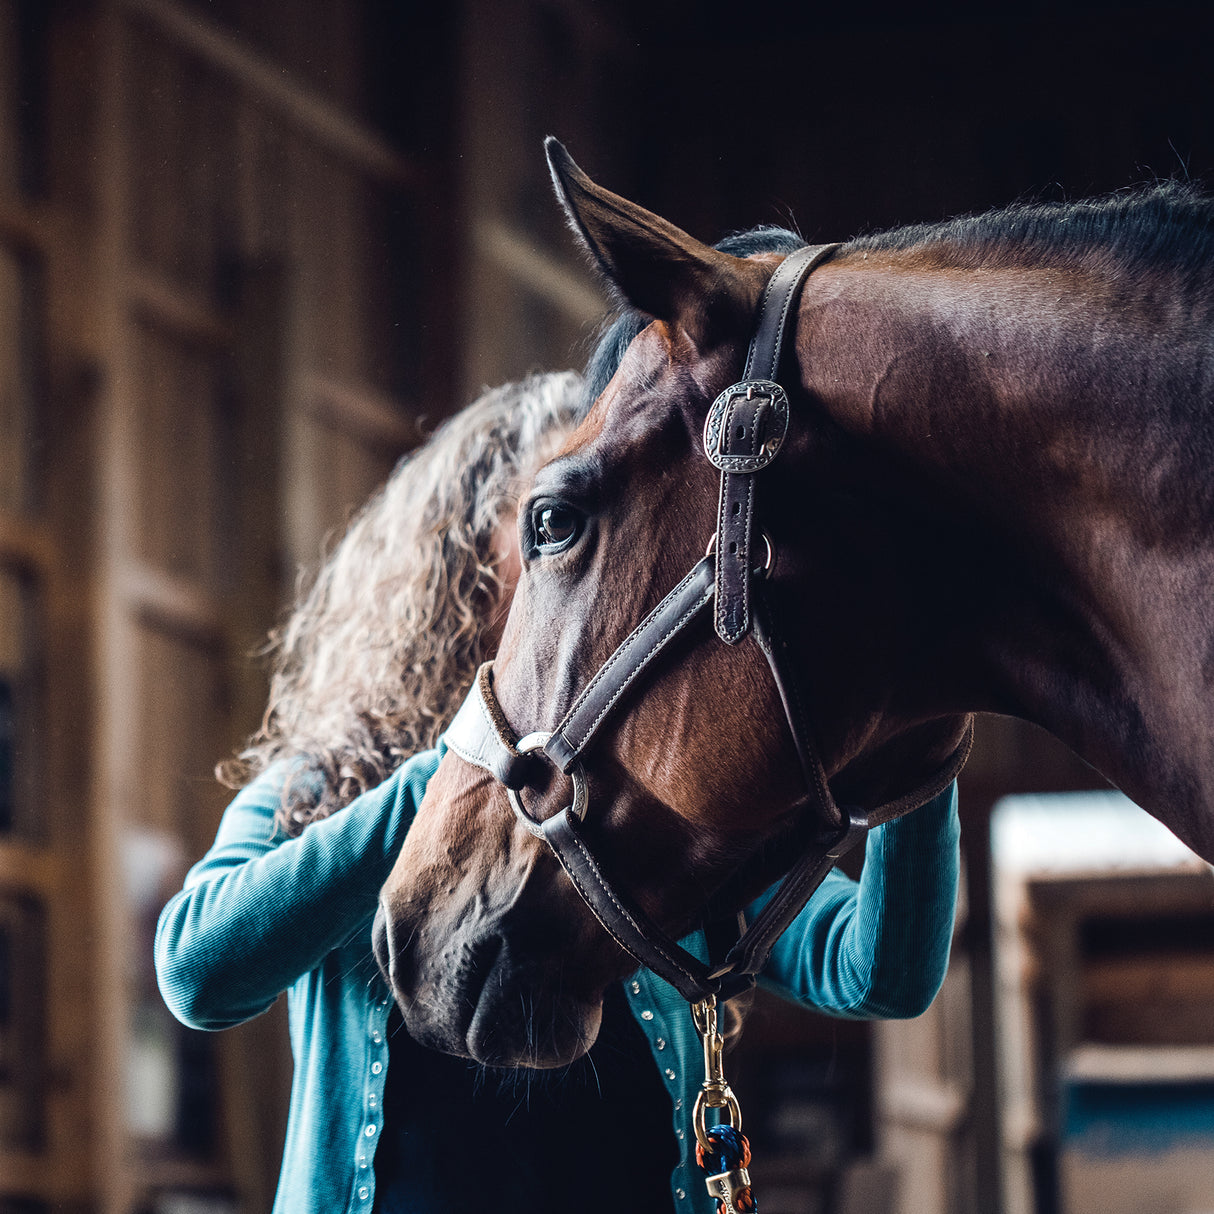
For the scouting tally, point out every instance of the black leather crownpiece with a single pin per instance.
(767, 344)
(743, 433)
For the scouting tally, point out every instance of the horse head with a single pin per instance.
(695, 784)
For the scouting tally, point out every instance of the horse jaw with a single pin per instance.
(484, 951)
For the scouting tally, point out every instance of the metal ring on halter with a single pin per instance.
(581, 793)
(723, 1100)
(769, 554)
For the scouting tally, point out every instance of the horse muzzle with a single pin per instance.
(474, 995)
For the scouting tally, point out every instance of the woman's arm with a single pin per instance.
(879, 948)
(259, 910)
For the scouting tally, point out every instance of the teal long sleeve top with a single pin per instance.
(262, 913)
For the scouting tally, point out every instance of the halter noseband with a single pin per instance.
(743, 433)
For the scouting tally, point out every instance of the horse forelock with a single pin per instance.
(662, 381)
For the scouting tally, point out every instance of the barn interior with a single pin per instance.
(251, 252)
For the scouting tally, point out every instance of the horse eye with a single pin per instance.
(556, 526)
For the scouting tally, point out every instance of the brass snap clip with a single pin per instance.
(716, 1092)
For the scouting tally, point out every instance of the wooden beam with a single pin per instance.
(941, 1108)
(30, 869)
(27, 225)
(1140, 1064)
(361, 411)
(23, 1172)
(186, 314)
(26, 545)
(172, 604)
(272, 85)
(537, 269)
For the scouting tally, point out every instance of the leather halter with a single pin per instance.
(743, 433)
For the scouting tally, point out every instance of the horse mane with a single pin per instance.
(1168, 225)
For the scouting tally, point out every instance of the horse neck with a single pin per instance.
(1059, 413)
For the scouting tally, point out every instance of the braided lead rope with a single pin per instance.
(726, 1160)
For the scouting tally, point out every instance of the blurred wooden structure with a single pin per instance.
(250, 251)
(226, 308)
(214, 273)
(1105, 972)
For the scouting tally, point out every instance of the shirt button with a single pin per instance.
(364, 1193)
(680, 1133)
(646, 1015)
(376, 1067)
(679, 1194)
(636, 987)
(678, 1104)
(370, 1131)
(670, 1074)
(660, 1043)
(376, 1036)
(371, 1100)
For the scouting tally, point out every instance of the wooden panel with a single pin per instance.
(17, 347)
(10, 100)
(180, 705)
(362, 413)
(924, 1099)
(181, 116)
(265, 81)
(324, 247)
(177, 426)
(21, 705)
(23, 964)
(330, 474)
(261, 182)
(532, 69)
(246, 261)
(394, 255)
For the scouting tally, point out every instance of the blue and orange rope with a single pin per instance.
(725, 1161)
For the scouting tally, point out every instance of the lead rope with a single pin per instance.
(722, 1150)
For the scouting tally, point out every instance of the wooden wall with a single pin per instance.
(249, 253)
(215, 288)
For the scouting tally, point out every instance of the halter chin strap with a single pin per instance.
(743, 433)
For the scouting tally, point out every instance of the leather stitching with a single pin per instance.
(624, 652)
(574, 872)
(732, 574)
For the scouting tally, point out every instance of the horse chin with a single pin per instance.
(507, 1027)
(473, 1000)
(507, 1030)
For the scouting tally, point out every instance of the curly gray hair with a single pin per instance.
(382, 646)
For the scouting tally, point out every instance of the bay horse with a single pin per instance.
(995, 495)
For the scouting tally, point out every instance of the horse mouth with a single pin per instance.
(511, 1027)
(473, 1001)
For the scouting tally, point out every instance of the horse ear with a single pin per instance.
(653, 265)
